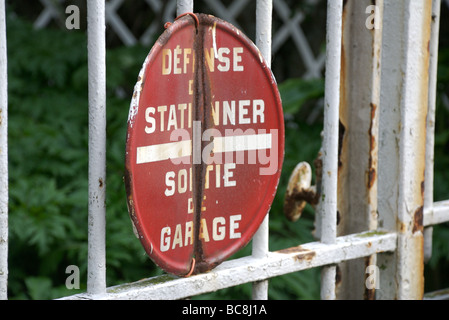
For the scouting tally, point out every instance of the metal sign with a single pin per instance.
(204, 146)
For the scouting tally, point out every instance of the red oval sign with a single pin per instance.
(205, 145)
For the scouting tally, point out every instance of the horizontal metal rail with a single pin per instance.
(439, 213)
(250, 269)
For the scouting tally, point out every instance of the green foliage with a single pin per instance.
(296, 91)
(48, 143)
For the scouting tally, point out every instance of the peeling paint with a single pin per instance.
(303, 254)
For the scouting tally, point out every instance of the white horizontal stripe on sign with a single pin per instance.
(242, 143)
(179, 149)
(165, 151)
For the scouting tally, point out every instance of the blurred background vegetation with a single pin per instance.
(48, 143)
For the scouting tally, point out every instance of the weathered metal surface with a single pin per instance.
(184, 6)
(437, 295)
(358, 137)
(251, 269)
(430, 130)
(264, 9)
(96, 45)
(438, 214)
(328, 203)
(402, 132)
(3, 157)
(205, 123)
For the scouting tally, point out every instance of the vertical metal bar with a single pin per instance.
(3, 157)
(404, 99)
(430, 133)
(328, 202)
(96, 280)
(264, 9)
(184, 6)
(359, 124)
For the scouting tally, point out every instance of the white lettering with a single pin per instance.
(229, 174)
(189, 234)
(222, 228)
(243, 111)
(177, 239)
(150, 120)
(177, 60)
(224, 67)
(258, 111)
(237, 58)
(181, 181)
(172, 122)
(165, 239)
(218, 232)
(233, 225)
(233, 112)
(166, 61)
(170, 183)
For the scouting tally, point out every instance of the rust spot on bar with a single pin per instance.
(402, 227)
(422, 188)
(100, 183)
(338, 275)
(372, 173)
(418, 220)
(341, 135)
(303, 254)
(371, 177)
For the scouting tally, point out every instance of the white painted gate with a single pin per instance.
(377, 152)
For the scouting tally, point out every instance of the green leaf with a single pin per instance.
(295, 92)
(39, 288)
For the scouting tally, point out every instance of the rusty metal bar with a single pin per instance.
(184, 6)
(3, 156)
(404, 99)
(251, 269)
(430, 131)
(264, 9)
(96, 45)
(328, 202)
(359, 124)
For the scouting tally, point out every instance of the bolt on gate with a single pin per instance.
(377, 161)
